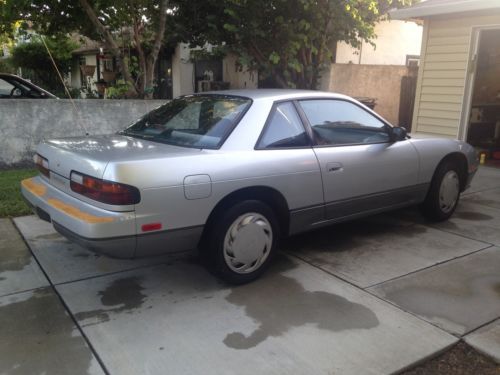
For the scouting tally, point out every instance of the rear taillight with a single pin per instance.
(104, 191)
(42, 165)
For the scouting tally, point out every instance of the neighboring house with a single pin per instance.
(458, 90)
(176, 73)
(397, 43)
(90, 54)
(384, 72)
(191, 76)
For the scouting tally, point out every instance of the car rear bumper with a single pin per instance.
(106, 232)
(82, 219)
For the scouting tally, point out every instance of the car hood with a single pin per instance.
(91, 155)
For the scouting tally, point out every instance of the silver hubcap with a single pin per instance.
(248, 242)
(449, 191)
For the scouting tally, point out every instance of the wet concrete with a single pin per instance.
(370, 252)
(122, 295)
(487, 340)
(38, 337)
(474, 221)
(458, 296)
(65, 261)
(18, 270)
(285, 297)
(296, 319)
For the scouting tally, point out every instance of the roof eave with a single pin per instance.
(439, 9)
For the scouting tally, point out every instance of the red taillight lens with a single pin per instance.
(104, 191)
(42, 165)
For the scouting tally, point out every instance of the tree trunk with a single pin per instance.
(153, 55)
(149, 79)
(142, 59)
(115, 49)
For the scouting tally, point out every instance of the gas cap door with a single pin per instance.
(197, 186)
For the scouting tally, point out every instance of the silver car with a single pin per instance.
(230, 173)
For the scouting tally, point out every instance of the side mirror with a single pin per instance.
(398, 134)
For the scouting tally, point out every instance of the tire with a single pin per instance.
(241, 242)
(444, 193)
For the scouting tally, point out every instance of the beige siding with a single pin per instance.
(443, 71)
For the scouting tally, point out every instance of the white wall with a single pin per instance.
(238, 78)
(395, 39)
(182, 71)
(75, 80)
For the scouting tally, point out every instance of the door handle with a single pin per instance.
(334, 167)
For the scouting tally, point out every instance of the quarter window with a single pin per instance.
(339, 122)
(284, 129)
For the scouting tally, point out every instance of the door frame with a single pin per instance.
(470, 81)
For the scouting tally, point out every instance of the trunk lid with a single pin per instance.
(91, 155)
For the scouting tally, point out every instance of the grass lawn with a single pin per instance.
(11, 201)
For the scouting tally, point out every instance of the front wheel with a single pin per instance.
(242, 241)
(444, 193)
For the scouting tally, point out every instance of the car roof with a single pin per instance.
(9, 75)
(28, 83)
(277, 94)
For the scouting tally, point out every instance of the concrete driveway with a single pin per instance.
(368, 297)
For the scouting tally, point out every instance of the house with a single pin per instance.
(177, 73)
(397, 43)
(384, 72)
(458, 88)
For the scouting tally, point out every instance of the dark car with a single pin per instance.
(14, 87)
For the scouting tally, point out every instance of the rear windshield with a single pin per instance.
(201, 121)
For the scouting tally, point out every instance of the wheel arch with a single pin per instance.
(268, 195)
(460, 160)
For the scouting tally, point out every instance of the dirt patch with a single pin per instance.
(459, 360)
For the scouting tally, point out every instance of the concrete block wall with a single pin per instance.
(382, 82)
(25, 122)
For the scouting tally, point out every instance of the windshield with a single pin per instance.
(201, 121)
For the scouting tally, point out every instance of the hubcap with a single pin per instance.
(248, 242)
(449, 191)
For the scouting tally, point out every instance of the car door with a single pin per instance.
(363, 170)
(285, 148)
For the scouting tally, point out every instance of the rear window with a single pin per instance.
(201, 121)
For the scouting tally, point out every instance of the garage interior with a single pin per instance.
(484, 125)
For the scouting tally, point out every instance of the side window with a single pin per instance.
(338, 122)
(5, 88)
(284, 129)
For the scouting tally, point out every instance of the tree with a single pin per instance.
(291, 41)
(104, 20)
(33, 56)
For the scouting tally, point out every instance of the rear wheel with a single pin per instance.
(444, 193)
(242, 241)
